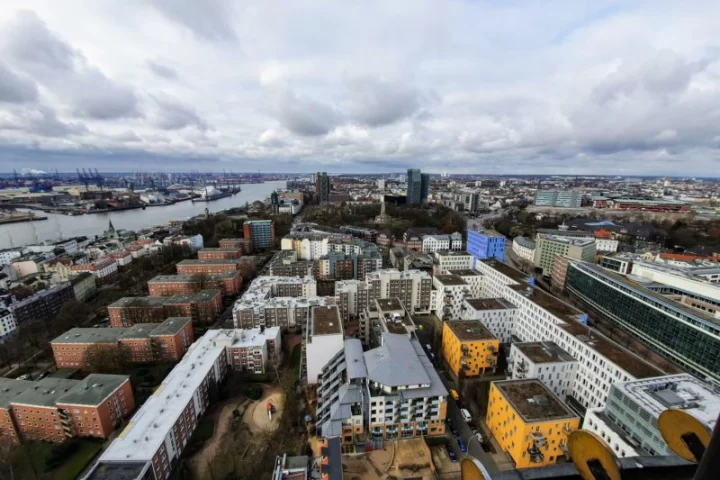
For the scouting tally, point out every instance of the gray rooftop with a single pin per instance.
(45, 392)
(395, 363)
(137, 302)
(354, 359)
(93, 389)
(230, 261)
(118, 471)
(192, 278)
(201, 296)
(544, 352)
(9, 389)
(169, 326)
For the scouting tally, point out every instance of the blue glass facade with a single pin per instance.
(483, 245)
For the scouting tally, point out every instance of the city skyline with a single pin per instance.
(574, 88)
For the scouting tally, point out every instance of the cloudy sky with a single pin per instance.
(499, 86)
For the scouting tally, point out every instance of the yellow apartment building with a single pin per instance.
(529, 422)
(469, 348)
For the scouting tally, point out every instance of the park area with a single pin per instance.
(45, 461)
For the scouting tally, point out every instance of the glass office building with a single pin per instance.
(686, 337)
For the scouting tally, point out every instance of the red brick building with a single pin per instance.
(245, 244)
(193, 267)
(163, 285)
(219, 253)
(105, 270)
(203, 307)
(147, 342)
(56, 409)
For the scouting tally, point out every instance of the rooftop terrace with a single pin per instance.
(489, 303)
(389, 304)
(326, 320)
(533, 401)
(470, 330)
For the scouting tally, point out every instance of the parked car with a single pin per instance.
(462, 445)
(451, 452)
(454, 394)
(479, 437)
(466, 415)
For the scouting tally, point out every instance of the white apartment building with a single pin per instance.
(542, 317)
(608, 245)
(153, 441)
(385, 393)
(545, 361)
(7, 323)
(324, 338)
(448, 295)
(277, 301)
(435, 243)
(449, 261)
(253, 349)
(497, 314)
(628, 423)
(524, 248)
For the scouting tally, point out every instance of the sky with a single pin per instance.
(486, 87)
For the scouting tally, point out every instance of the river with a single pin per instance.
(64, 226)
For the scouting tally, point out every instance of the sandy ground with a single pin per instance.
(223, 420)
(256, 416)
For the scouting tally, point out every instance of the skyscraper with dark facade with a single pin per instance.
(322, 187)
(424, 188)
(414, 186)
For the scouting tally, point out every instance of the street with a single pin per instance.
(474, 447)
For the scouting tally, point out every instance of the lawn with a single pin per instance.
(74, 465)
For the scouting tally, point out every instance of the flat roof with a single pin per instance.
(548, 302)
(489, 233)
(326, 320)
(489, 303)
(193, 278)
(533, 401)
(450, 280)
(220, 261)
(93, 389)
(506, 270)
(45, 392)
(219, 249)
(466, 272)
(544, 352)
(470, 330)
(169, 326)
(201, 296)
(118, 470)
(573, 241)
(10, 388)
(386, 304)
(138, 302)
(147, 429)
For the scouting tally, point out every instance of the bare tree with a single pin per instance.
(7, 456)
(275, 364)
(201, 281)
(108, 359)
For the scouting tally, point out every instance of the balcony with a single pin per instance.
(465, 351)
(536, 455)
(539, 439)
(492, 349)
(567, 429)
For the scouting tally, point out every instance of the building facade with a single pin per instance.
(225, 253)
(469, 348)
(84, 286)
(260, 232)
(194, 267)
(322, 187)
(164, 285)
(414, 187)
(45, 304)
(687, 337)
(559, 198)
(545, 361)
(497, 314)
(484, 244)
(547, 246)
(529, 422)
(524, 248)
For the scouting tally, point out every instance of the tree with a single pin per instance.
(108, 358)
(201, 281)
(275, 364)
(7, 455)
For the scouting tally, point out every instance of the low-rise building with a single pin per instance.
(105, 270)
(146, 342)
(225, 253)
(449, 261)
(122, 258)
(194, 267)
(524, 248)
(45, 304)
(56, 409)
(629, 421)
(530, 422)
(164, 285)
(469, 348)
(435, 243)
(84, 286)
(545, 361)
(244, 244)
(203, 307)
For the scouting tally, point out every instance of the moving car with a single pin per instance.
(451, 452)
(454, 394)
(466, 415)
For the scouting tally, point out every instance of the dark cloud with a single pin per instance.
(375, 102)
(162, 71)
(172, 115)
(209, 20)
(51, 61)
(42, 121)
(29, 41)
(305, 116)
(16, 89)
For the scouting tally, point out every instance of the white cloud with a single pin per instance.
(495, 87)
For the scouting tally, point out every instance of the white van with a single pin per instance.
(466, 415)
